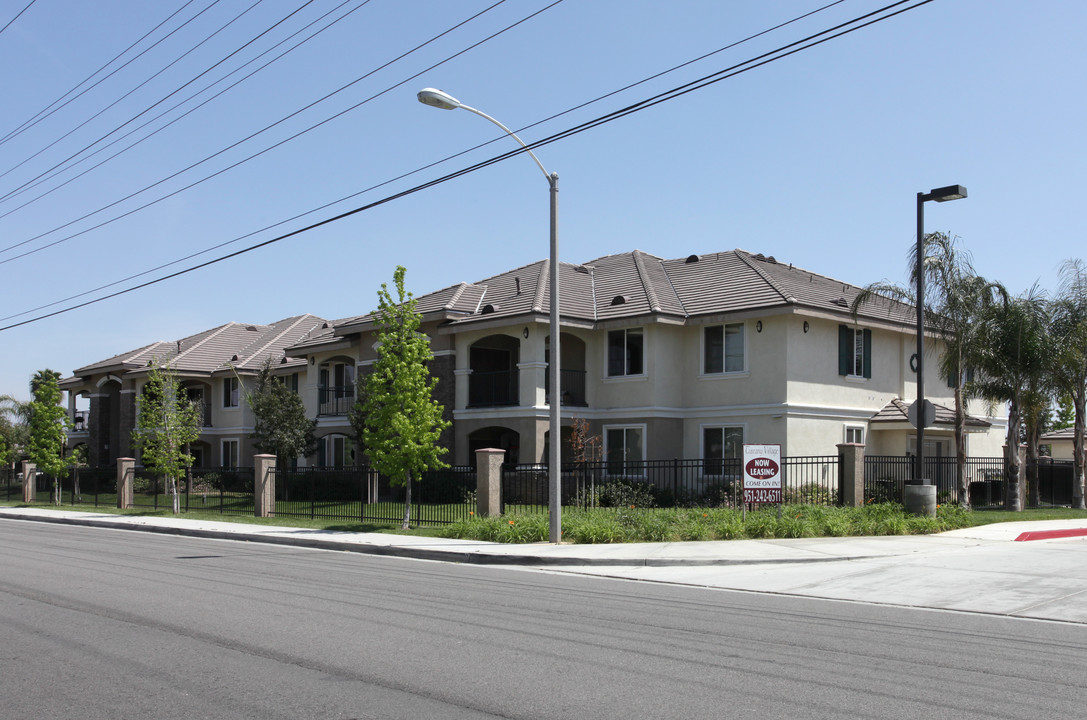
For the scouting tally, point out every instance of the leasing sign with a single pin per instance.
(762, 473)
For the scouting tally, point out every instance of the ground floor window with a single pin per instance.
(721, 446)
(854, 434)
(624, 449)
(335, 451)
(230, 453)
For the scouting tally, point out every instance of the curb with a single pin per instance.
(415, 553)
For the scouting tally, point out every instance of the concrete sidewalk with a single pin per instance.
(981, 569)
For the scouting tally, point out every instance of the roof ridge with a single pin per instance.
(214, 332)
(672, 285)
(745, 258)
(297, 321)
(651, 295)
(456, 295)
(537, 299)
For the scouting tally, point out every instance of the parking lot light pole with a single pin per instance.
(444, 101)
(951, 192)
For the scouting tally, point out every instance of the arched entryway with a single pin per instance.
(495, 437)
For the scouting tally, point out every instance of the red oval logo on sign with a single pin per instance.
(761, 467)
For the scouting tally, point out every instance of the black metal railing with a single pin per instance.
(572, 385)
(664, 483)
(335, 400)
(493, 389)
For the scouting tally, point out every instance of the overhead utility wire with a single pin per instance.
(660, 98)
(37, 117)
(161, 100)
(17, 16)
(180, 117)
(257, 154)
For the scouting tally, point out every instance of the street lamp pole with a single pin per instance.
(951, 192)
(444, 101)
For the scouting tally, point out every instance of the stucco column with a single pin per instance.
(264, 478)
(851, 473)
(126, 478)
(30, 481)
(489, 481)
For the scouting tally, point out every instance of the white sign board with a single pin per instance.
(762, 473)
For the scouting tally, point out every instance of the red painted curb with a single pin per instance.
(1050, 534)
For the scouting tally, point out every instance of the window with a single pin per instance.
(231, 392)
(230, 454)
(723, 349)
(624, 450)
(722, 447)
(854, 434)
(626, 349)
(335, 451)
(854, 352)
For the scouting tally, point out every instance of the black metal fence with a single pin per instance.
(11, 484)
(664, 483)
(222, 490)
(361, 494)
(885, 477)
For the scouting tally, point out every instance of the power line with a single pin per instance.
(49, 109)
(764, 59)
(17, 16)
(34, 183)
(265, 150)
(161, 100)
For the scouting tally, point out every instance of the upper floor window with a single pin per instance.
(723, 349)
(854, 352)
(626, 352)
(232, 394)
(854, 434)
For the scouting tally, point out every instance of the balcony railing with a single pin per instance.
(493, 389)
(573, 387)
(335, 400)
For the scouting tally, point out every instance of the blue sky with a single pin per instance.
(815, 159)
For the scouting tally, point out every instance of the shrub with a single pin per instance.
(810, 493)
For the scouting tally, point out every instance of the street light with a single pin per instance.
(951, 192)
(444, 101)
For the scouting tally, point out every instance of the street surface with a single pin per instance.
(113, 624)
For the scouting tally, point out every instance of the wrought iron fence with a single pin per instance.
(361, 494)
(11, 484)
(664, 483)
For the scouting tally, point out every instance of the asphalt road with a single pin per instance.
(112, 624)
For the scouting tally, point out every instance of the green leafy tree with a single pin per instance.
(1070, 361)
(47, 428)
(165, 425)
(955, 298)
(281, 426)
(397, 416)
(1012, 358)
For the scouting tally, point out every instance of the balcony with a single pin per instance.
(493, 389)
(335, 400)
(573, 387)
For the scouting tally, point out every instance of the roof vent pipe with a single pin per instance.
(517, 283)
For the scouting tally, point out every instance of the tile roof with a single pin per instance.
(897, 411)
(246, 347)
(638, 284)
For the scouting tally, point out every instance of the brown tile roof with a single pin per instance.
(897, 411)
(640, 285)
(246, 347)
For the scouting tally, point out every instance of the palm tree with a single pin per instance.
(955, 298)
(1012, 356)
(1070, 358)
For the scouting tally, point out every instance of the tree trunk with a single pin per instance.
(1080, 403)
(1011, 461)
(407, 502)
(1034, 491)
(177, 499)
(960, 448)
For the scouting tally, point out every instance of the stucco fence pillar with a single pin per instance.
(851, 474)
(126, 480)
(30, 481)
(264, 485)
(489, 481)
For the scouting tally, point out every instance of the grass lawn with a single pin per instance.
(643, 524)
